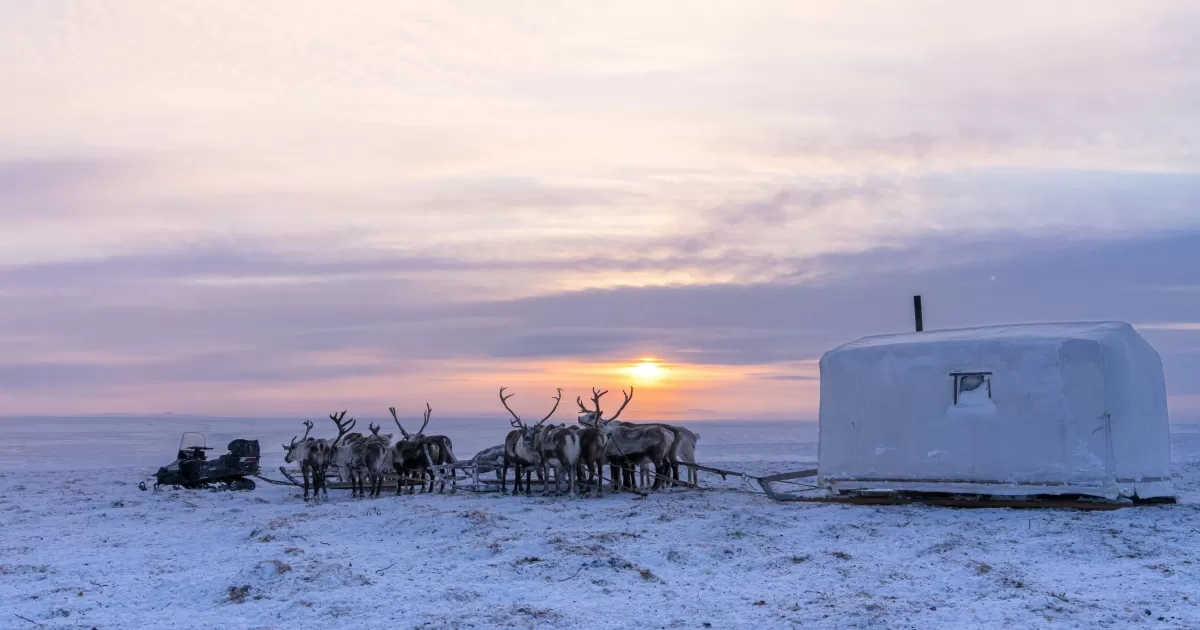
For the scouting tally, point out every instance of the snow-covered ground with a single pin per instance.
(82, 547)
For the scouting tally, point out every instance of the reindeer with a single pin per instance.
(683, 449)
(415, 454)
(628, 444)
(441, 454)
(345, 454)
(372, 458)
(685, 440)
(314, 456)
(510, 461)
(559, 447)
(521, 447)
(592, 446)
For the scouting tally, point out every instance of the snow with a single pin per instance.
(1074, 408)
(83, 548)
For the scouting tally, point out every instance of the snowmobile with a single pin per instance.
(192, 468)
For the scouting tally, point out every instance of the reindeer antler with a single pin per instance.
(596, 396)
(516, 421)
(428, 412)
(374, 428)
(594, 413)
(342, 427)
(398, 425)
(557, 399)
(308, 425)
(628, 397)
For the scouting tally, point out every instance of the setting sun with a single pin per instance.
(647, 370)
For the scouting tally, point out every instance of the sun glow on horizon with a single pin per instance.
(647, 370)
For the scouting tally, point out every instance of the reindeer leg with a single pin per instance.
(662, 474)
(572, 477)
(304, 472)
(503, 475)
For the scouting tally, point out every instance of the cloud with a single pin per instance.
(581, 184)
(365, 329)
(60, 187)
(780, 208)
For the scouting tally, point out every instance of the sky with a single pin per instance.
(294, 207)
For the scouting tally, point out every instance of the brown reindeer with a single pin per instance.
(441, 451)
(629, 445)
(415, 455)
(520, 446)
(592, 456)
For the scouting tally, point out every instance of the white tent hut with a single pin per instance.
(1000, 411)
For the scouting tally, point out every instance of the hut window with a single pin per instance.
(970, 387)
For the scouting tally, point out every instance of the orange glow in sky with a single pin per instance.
(647, 371)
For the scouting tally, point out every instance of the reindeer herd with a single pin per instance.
(369, 457)
(573, 456)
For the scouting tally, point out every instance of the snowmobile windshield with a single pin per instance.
(191, 440)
